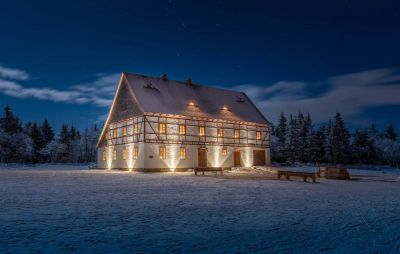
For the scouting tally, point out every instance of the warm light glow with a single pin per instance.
(115, 132)
(104, 155)
(136, 128)
(182, 129)
(202, 131)
(182, 153)
(247, 157)
(225, 108)
(130, 157)
(124, 152)
(224, 151)
(115, 154)
(162, 127)
(135, 153)
(124, 131)
(258, 135)
(220, 132)
(162, 152)
(237, 133)
(191, 103)
(110, 156)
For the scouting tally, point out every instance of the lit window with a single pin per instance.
(115, 131)
(182, 129)
(224, 151)
(163, 152)
(182, 153)
(135, 153)
(124, 132)
(124, 154)
(115, 154)
(162, 128)
(104, 155)
(202, 131)
(220, 132)
(237, 133)
(136, 128)
(258, 134)
(107, 135)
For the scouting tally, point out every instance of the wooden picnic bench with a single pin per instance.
(304, 175)
(208, 169)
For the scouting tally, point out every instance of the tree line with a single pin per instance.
(297, 139)
(37, 143)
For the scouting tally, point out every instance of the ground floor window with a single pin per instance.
(104, 155)
(163, 152)
(124, 154)
(115, 154)
(224, 151)
(135, 153)
(182, 153)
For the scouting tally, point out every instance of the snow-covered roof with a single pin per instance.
(161, 95)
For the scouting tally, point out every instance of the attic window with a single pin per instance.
(225, 108)
(240, 100)
(191, 103)
(124, 107)
(149, 85)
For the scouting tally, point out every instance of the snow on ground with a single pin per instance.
(86, 211)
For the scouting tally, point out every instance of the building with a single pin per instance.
(157, 124)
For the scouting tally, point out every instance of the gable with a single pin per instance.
(125, 105)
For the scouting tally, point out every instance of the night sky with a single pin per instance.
(61, 60)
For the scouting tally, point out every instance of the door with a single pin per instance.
(258, 157)
(236, 158)
(202, 157)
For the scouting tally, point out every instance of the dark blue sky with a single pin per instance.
(317, 56)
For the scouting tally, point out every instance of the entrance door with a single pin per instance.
(259, 157)
(236, 158)
(202, 157)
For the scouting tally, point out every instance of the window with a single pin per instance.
(182, 129)
(124, 154)
(182, 153)
(136, 128)
(124, 107)
(162, 128)
(124, 132)
(224, 151)
(202, 131)
(220, 132)
(115, 154)
(135, 153)
(258, 134)
(163, 152)
(237, 133)
(115, 132)
(104, 155)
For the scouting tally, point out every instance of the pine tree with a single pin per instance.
(47, 131)
(65, 142)
(390, 133)
(317, 146)
(328, 142)
(37, 141)
(340, 141)
(9, 122)
(281, 129)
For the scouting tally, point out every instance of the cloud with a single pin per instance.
(99, 92)
(351, 94)
(14, 74)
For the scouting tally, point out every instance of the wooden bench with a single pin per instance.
(208, 169)
(304, 175)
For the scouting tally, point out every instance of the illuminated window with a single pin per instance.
(202, 131)
(115, 154)
(182, 153)
(163, 152)
(124, 131)
(107, 135)
(124, 154)
(115, 131)
(104, 155)
(182, 129)
(135, 153)
(136, 128)
(224, 151)
(162, 127)
(237, 133)
(220, 132)
(258, 134)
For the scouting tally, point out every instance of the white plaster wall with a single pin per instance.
(120, 163)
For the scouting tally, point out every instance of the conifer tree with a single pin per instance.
(340, 141)
(390, 133)
(47, 131)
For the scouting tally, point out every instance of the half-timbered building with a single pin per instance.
(157, 124)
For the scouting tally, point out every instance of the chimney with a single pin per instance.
(189, 81)
(164, 77)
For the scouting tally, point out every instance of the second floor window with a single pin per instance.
(115, 132)
(124, 131)
(162, 152)
(258, 135)
(237, 133)
(202, 131)
(136, 128)
(220, 132)
(182, 129)
(162, 128)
